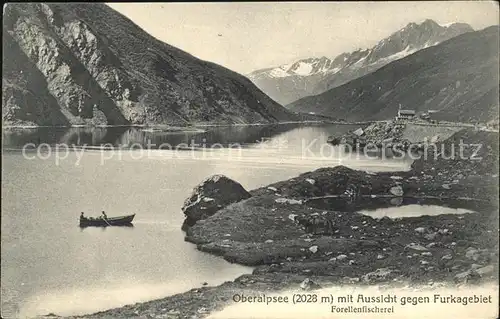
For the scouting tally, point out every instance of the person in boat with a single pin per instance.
(82, 217)
(104, 215)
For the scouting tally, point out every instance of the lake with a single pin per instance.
(49, 264)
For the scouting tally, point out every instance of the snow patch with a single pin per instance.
(446, 25)
(430, 44)
(278, 73)
(358, 63)
(334, 70)
(303, 69)
(398, 55)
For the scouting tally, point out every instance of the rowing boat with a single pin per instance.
(111, 221)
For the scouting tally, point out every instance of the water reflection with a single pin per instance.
(400, 204)
(127, 136)
(125, 226)
(414, 211)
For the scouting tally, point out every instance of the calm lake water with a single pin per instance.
(49, 264)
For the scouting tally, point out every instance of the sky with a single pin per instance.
(247, 36)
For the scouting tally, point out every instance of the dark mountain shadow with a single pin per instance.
(18, 137)
(98, 96)
(37, 103)
(127, 136)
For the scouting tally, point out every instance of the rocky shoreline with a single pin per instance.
(396, 136)
(259, 228)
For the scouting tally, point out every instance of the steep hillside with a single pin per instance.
(71, 63)
(312, 76)
(458, 77)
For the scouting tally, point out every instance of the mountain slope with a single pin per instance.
(74, 63)
(313, 76)
(459, 77)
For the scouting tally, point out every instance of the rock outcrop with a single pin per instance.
(398, 136)
(213, 194)
(68, 63)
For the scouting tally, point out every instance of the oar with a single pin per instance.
(103, 218)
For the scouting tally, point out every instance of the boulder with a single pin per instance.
(379, 275)
(313, 249)
(420, 230)
(467, 276)
(310, 181)
(430, 236)
(443, 231)
(414, 246)
(308, 284)
(214, 193)
(288, 201)
(396, 191)
(483, 271)
(341, 257)
(472, 253)
(358, 132)
(435, 138)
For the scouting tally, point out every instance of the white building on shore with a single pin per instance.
(405, 114)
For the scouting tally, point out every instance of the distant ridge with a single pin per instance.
(458, 77)
(312, 76)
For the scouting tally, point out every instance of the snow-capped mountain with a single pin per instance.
(288, 83)
(457, 78)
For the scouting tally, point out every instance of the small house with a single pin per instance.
(406, 114)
